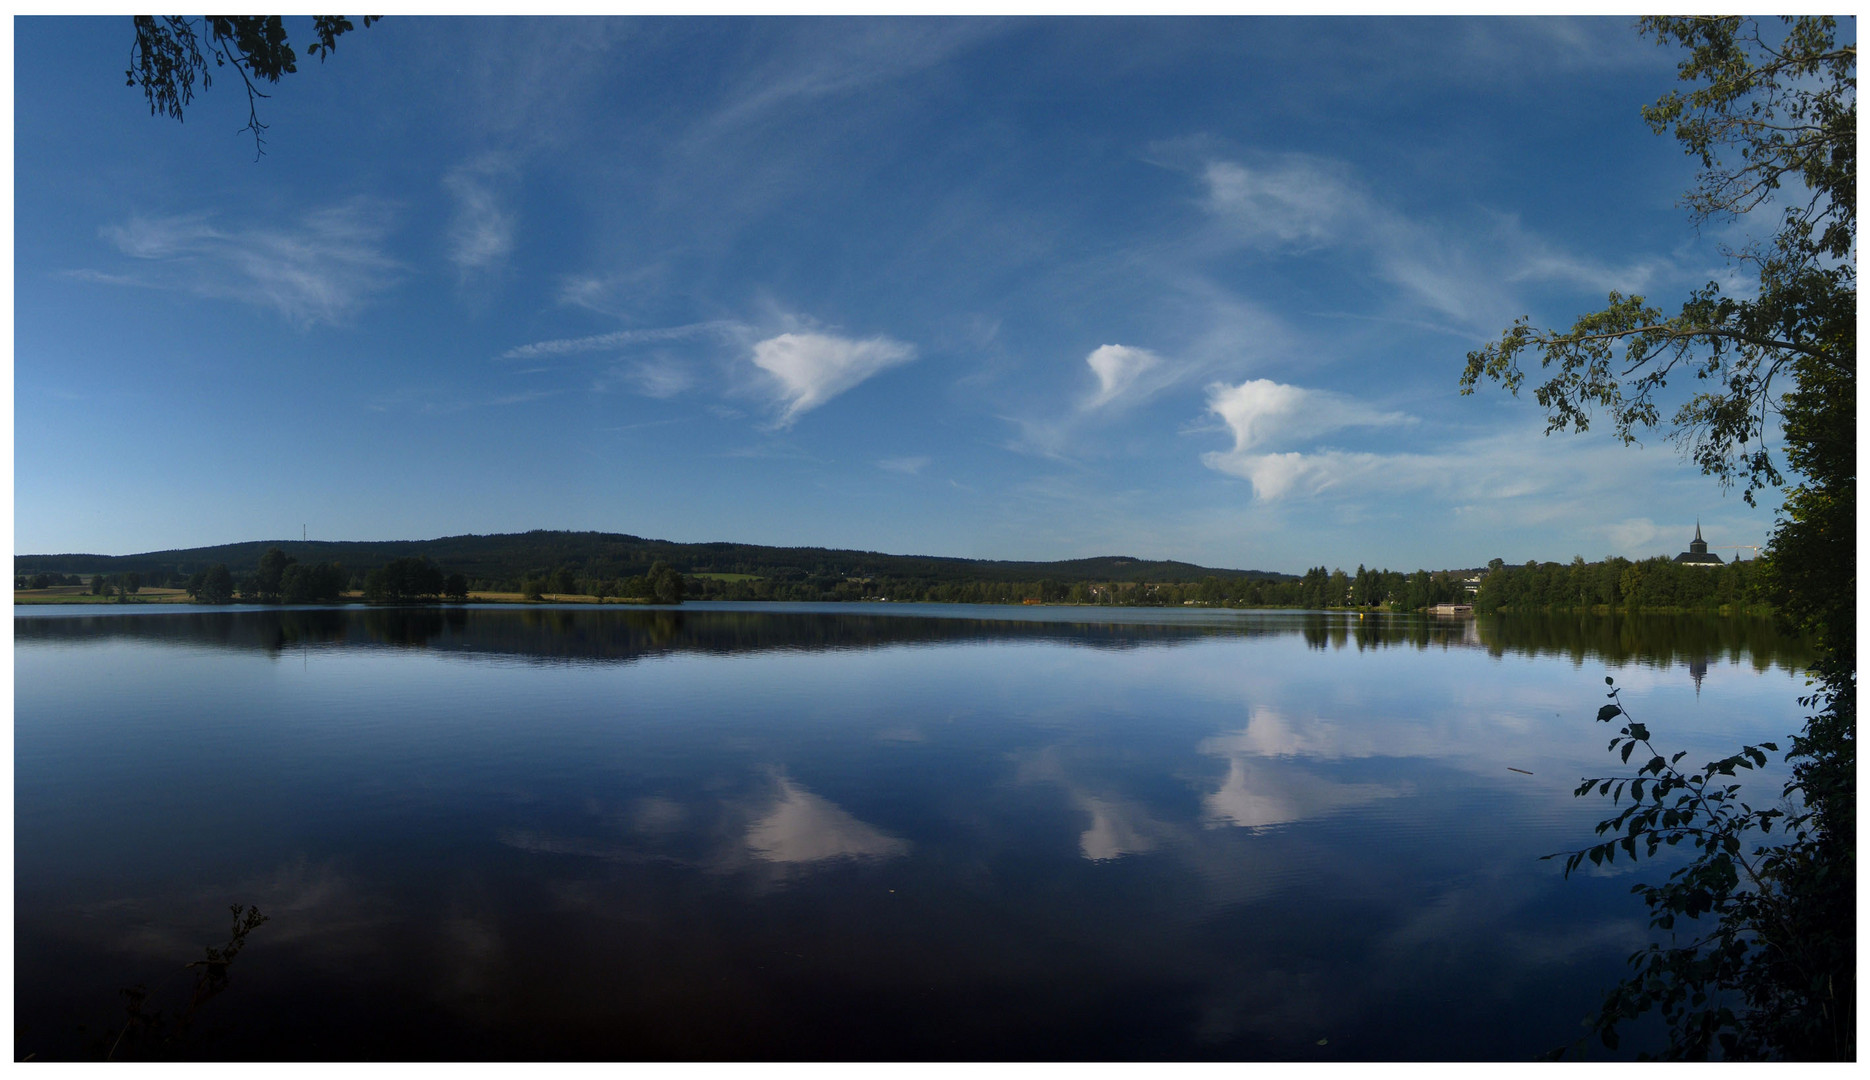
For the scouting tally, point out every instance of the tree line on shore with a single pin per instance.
(1647, 585)
(1614, 583)
(1319, 587)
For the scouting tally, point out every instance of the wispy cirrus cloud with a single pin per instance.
(1294, 201)
(617, 294)
(843, 59)
(809, 369)
(480, 235)
(429, 401)
(908, 466)
(624, 339)
(98, 277)
(324, 267)
(1299, 204)
(659, 377)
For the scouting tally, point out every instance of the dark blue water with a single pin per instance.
(873, 832)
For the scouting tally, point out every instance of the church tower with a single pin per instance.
(1697, 553)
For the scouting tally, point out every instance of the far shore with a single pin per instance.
(81, 594)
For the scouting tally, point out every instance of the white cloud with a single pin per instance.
(811, 369)
(1274, 476)
(1517, 472)
(323, 268)
(1117, 368)
(1224, 334)
(480, 236)
(1260, 411)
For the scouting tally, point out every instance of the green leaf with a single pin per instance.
(1608, 711)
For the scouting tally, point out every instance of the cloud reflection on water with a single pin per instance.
(1117, 829)
(1030, 825)
(1259, 796)
(1264, 787)
(804, 828)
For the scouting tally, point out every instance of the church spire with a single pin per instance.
(1697, 552)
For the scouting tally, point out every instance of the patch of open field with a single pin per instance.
(548, 598)
(81, 594)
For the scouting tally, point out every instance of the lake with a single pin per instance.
(840, 831)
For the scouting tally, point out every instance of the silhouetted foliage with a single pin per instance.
(216, 587)
(665, 584)
(1745, 916)
(266, 579)
(1765, 111)
(318, 583)
(403, 579)
(147, 1033)
(168, 57)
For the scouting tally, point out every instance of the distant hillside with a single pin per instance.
(502, 559)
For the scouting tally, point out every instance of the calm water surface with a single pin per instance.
(841, 831)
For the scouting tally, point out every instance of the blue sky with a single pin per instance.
(1195, 289)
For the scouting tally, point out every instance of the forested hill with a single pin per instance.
(510, 557)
